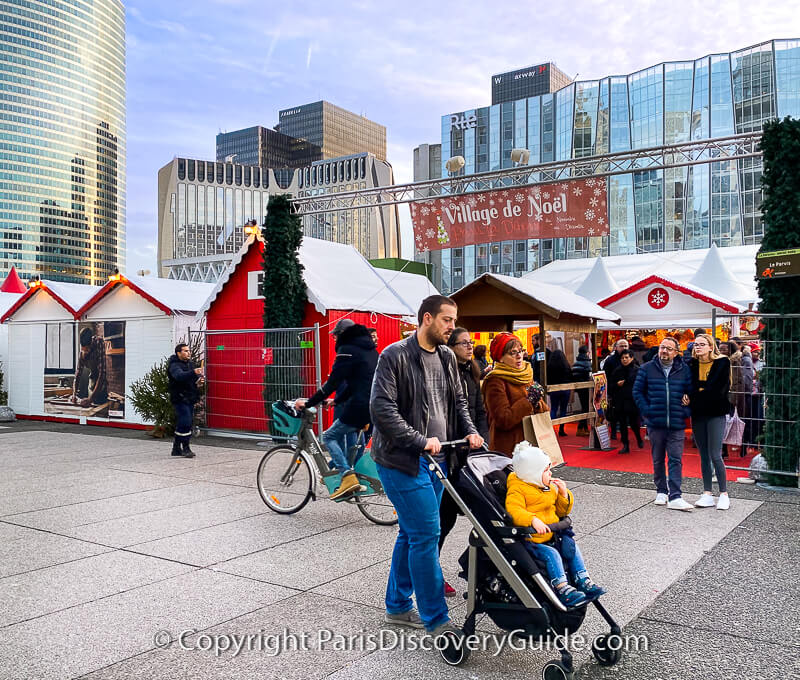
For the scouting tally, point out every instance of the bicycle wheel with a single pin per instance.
(284, 480)
(377, 508)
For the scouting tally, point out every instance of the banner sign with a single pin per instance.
(778, 263)
(575, 207)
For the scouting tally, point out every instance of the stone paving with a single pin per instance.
(109, 548)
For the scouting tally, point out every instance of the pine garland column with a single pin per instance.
(780, 144)
(284, 300)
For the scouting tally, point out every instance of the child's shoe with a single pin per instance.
(590, 588)
(570, 597)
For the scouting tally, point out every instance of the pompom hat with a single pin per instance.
(529, 463)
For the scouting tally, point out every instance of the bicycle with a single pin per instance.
(287, 474)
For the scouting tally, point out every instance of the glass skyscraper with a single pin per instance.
(62, 139)
(649, 210)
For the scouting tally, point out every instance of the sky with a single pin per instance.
(201, 67)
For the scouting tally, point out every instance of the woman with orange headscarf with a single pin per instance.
(509, 394)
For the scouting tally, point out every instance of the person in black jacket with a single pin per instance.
(708, 399)
(625, 411)
(582, 372)
(470, 373)
(610, 364)
(417, 402)
(356, 358)
(184, 379)
(559, 372)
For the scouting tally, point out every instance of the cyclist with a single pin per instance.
(356, 358)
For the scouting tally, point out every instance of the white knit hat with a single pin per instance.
(530, 463)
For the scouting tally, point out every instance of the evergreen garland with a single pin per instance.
(285, 299)
(780, 144)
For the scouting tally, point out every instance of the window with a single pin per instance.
(59, 348)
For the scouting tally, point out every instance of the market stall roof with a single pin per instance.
(659, 302)
(70, 296)
(13, 284)
(7, 301)
(728, 272)
(598, 282)
(494, 301)
(338, 277)
(168, 295)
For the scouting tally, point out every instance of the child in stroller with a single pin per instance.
(535, 498)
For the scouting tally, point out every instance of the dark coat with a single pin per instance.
(558, 369)
(639, 349)
(506, 405)
(182, 381)
(399, 405)
(659, 399)
(622, 397)
(582, 368)
(356, 358)
(711, 397)
(472, 390)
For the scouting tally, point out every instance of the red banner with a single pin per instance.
(575, 207)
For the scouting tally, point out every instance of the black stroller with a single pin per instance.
(503, 579)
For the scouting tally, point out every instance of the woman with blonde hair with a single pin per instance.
(509, 393)
(708, 400)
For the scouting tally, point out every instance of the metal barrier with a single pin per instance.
(246, 370)
(769, 403)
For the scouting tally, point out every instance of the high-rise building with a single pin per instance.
(265, 148)
(203, 207)
(682, 207)
(530, 81)
(62, 112)
(335, 130)
(427, 162)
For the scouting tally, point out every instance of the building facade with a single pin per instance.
(62, 157)
(265, 148)
(335, 130)
(714, 96)
(530, 81)
(204, 205)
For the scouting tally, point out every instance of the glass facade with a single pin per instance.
(62, 139)
(648, 210)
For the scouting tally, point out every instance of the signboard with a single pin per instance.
(570, 208)
(307, 344)
(602, 439)
(267, 355)
(778, 263)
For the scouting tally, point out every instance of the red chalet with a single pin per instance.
(340, 283)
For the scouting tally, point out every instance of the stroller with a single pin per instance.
(504, 580)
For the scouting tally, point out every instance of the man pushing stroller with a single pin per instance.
(535, 498)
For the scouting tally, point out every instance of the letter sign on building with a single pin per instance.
(463, 121)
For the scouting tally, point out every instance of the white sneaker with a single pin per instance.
(724, 502)
(705, 501)
(661, 499)
(679, 504)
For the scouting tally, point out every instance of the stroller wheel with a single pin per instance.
(453, 647)
(555, 670)
(606, 649)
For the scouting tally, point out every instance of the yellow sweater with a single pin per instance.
(524, 501)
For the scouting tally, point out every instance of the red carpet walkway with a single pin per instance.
(638, 460)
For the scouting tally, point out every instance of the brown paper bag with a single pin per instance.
(539, 431)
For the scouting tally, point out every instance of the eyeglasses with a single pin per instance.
(466, 343)
(516, 353)
(667, 348)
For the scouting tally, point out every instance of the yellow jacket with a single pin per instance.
(524, 501)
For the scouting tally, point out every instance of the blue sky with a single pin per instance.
(196, 68)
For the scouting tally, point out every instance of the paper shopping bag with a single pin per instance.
(539, 431)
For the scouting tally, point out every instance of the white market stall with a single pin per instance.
(94, 342)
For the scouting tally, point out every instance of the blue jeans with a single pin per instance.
(670, 442)
(555, 564)
(183, 426)
(415, 558)
(339, 439)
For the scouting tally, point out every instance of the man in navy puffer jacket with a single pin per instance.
(661, 394)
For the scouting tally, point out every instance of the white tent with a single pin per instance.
(599, 283)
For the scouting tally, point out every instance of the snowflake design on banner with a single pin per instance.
(425, 210)
(491, 202)
(536, 191)
(472, 202)
(658, 298)
(598, 191)
(577, 191)
(519, 197)
(589, 214)
(481, 198)
(593, 202)
(591, 231)
(590, 182)
(546, 195)
(601, 220)
(430, 233)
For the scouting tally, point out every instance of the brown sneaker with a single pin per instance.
(349, 484)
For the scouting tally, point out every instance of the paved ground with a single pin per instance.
(106, 542)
